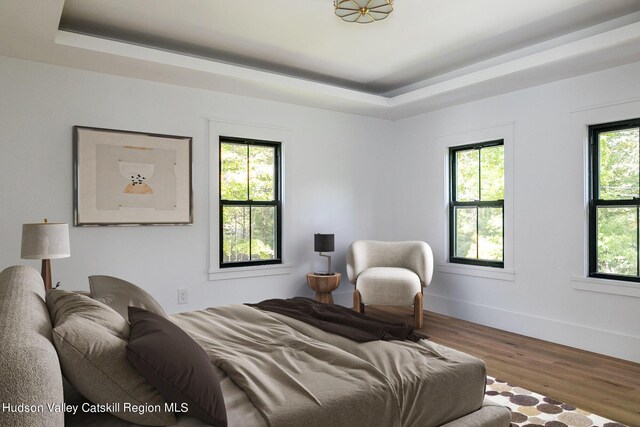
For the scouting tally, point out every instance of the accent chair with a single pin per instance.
(390, 273)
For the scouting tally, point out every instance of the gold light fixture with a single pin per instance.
(363, 11)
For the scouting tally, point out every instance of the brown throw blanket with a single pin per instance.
(338, 320)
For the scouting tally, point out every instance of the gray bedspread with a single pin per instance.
(297, 375)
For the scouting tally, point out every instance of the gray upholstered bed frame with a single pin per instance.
(30, 371)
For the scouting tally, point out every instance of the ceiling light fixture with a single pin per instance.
(363, 11)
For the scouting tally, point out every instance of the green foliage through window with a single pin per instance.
(477, 204)
(249, 202)
(614, 205)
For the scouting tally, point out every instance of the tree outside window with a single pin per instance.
(614, 200)
(476, 207)
(249, 202)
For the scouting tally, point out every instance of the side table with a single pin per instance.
(324, 284)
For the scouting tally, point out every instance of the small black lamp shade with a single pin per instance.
(323, 242)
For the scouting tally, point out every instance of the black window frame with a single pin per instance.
(453, 203)
(277, 202)
(595, 201)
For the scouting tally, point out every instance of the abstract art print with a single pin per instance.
(131, 178)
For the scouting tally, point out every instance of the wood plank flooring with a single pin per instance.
(603, 385)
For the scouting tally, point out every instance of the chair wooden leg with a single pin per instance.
(357, 304)
(418, 314)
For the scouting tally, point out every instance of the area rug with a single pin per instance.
(529, 409)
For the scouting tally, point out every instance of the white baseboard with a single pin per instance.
(600, 341)
(591, 339)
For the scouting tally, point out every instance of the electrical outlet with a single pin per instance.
(183, 296)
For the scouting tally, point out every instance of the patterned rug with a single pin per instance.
(529, 409)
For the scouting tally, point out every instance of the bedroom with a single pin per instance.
(355, 166)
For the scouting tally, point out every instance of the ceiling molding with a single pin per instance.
(612, 39)
(212, 67)
(619, 39)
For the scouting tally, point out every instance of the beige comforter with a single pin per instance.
(298, 375)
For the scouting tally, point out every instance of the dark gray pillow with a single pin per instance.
(120, 294)
(176, 366)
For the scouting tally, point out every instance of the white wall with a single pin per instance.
(354, 176)
(549, 124)
(333, 164)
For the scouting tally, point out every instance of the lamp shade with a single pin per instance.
(45, 241)
(323, 242)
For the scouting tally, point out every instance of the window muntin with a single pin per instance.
(250, 202)
(614, 203)
(476, 205)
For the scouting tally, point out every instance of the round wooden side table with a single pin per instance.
(324, 284)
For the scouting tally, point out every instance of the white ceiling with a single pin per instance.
(427, 54)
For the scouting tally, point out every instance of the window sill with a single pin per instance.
(477, 271)
(606, 286)
(252, 271)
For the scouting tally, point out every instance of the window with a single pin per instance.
(250, 202)
(614, 200)
(476, 205)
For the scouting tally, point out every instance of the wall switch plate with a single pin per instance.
(183, 296)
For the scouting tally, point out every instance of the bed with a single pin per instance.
(273, 371)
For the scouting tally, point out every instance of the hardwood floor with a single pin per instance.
(600, 384)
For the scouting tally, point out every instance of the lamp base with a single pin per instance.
(328, 273)
(46, 273)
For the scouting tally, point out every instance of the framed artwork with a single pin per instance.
(131, 178)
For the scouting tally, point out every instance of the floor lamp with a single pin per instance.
(45, 241)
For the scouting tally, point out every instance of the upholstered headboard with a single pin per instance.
(29, 365)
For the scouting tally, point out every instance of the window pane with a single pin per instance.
(235, 232)
(466, 237)
(490, 234)
(617, 250)
(492, 173)
(233, 171)
(263, 220)
(467, 176)
(261, 172)
(619, 172)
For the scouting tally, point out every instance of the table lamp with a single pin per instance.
(324, 243)
(45, 241)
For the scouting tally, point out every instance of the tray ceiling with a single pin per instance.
(426, 54)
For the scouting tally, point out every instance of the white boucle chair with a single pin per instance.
(390, 273)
